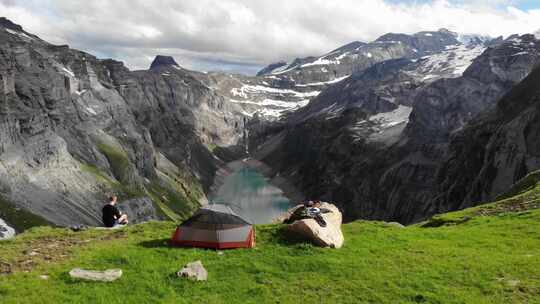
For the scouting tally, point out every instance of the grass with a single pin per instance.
(485, 254)
(524, 195)
(487, 259)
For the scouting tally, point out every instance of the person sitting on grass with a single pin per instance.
(112, 217)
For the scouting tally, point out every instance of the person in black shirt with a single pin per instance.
(111, 215)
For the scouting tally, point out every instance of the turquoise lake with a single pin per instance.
(251, 195)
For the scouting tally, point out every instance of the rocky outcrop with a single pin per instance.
(75, 129)
(327, 236)
(494, 152)
(139, 209)
(163, 61)
(6, 232)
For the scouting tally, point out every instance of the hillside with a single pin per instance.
(384, 146)
(486, 254)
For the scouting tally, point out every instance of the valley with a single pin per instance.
(378, 151)
(371, 126)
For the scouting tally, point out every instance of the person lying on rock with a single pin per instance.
(112, 217)
(311, 209)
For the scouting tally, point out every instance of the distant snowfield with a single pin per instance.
(322, 83)
(6, 232)
(450, 63)
(248, 89)
(272, 108)
(389, 119)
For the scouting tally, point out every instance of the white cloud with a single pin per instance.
(243, 34)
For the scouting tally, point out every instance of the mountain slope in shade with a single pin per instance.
(495, 151)
(375, 141)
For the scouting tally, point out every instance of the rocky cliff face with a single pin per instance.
(74, 129)
(494, 152)
(375, 142)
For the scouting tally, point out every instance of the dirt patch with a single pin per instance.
(49, 250)
(508, 207)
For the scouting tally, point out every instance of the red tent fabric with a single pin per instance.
(215, 226)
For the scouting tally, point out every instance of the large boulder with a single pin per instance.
(329, 236)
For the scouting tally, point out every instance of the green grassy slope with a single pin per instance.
(486, 254)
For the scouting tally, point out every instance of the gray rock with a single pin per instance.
(139, 209)
(193, 271)
(393, 224)
(329, 236)
(109, 275)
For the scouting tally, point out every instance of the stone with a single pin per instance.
(329, 236)
(512, 283)
(93, 275)
(44, 277)
(193, 271)
(393, 224)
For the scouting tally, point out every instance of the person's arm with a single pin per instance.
(117, 213)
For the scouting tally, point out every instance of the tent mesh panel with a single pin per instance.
(214, 220)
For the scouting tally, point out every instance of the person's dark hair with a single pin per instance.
(111, 198)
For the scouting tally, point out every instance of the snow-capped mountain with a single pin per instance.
(281, 88)
(377, 140)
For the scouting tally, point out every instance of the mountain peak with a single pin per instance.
(6, 23)
(163, 61)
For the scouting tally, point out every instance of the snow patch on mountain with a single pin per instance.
(320, 61)
(246, 90)
(323, 82)
(450, 63)
(20, 34)
(537, 34)
(271, 108)
(472, 39)
(389, 119)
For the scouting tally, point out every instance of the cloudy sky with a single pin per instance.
(244, 35)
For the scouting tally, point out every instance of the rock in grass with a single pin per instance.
(92, 275)
(194, 271)
(393, 224)
(329, 236)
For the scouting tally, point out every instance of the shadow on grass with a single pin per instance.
(166, 243)
(285, 237)
(281, 236)
(158, 243)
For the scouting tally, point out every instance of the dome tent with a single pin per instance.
(215, 226)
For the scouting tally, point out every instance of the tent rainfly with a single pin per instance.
(215, 226)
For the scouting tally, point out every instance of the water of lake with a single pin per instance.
(251, 195)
